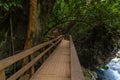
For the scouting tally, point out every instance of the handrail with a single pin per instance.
(76, 70)
(30, 64)
(10, 60)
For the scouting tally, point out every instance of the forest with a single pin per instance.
(93, 24)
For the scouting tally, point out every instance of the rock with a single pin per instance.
(89, 75)
(118, 54)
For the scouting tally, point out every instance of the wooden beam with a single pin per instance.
(76, 70)
(2, 75)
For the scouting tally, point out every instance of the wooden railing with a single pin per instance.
(76, 70)
(13, 59)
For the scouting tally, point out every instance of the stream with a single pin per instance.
(113, 71)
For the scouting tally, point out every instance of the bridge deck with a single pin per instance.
(57, 66)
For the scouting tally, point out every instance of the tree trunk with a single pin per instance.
(31, 27)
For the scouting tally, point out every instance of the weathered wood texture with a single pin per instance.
(76, 70)
(62, 64)
(10, 60)
(2, 75)
(57, 66)
(30, 64)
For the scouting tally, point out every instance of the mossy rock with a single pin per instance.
(105, 67)
(86, 73)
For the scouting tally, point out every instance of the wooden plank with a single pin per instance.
(2, 75)
(57, 66)
(10, 60)
(26, 67)
(51, 77)
(76, 70)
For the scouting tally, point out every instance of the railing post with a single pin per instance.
(32, 68)
(2, 75)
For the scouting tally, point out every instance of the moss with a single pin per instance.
(118, 56)
(105, 67)
(86, 73)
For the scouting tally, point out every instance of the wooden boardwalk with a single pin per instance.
(62, 64)
(57, 66)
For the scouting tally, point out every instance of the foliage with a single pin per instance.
(97, 29)
(8, 4)
(105, 67)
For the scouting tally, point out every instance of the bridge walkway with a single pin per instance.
(57, 66)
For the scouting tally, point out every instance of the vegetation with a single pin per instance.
(96, 28)
(105, 67)
(94, 25)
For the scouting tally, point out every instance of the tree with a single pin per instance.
(96, 30)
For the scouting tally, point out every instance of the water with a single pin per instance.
(113, 72)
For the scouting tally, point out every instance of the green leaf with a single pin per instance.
(5, 6)
(1, 4)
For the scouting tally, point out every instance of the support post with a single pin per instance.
(32, 68)
(2, 75)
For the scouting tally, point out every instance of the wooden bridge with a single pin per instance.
(61, 63)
